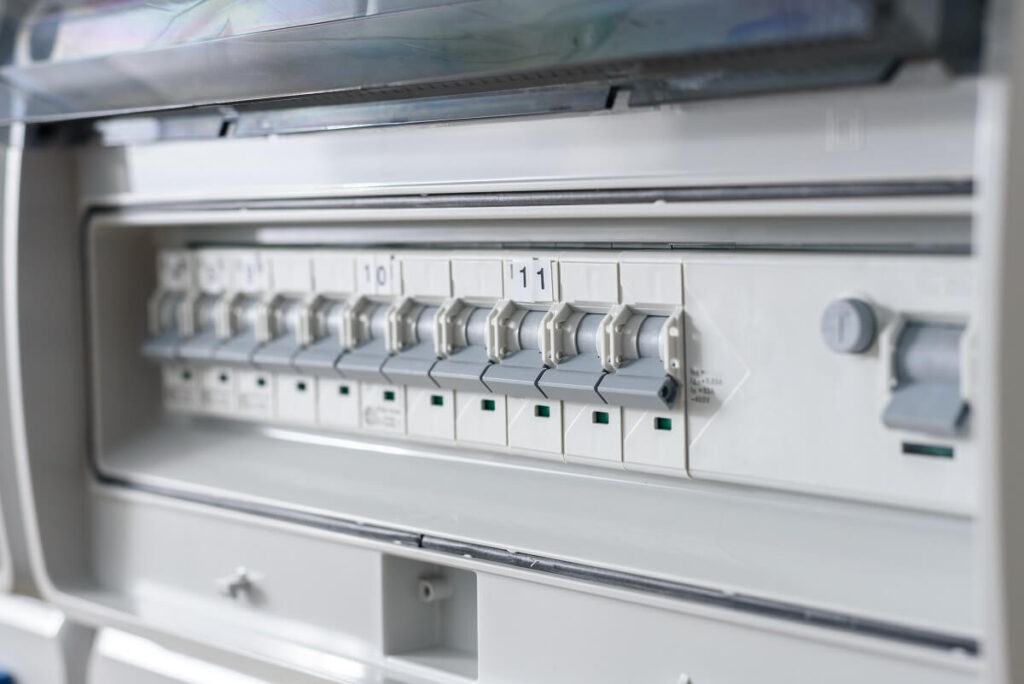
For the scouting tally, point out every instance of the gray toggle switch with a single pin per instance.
(320, 357)
(412, 366)
(848, 326)
(577, 377)
(465, 367)
(277, 354)
(642, 382)
(517, 374)
(365, 361)
(164, 345)
(927, 397)
(240, 347)
(201, 346)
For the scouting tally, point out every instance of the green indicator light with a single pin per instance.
(927, 450)
(601, 417)
(662, 423)
(436, 400)
(487, 404)
(389, 395)
(343, 390)
(542, 411)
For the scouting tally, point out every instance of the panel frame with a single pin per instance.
(49, 461)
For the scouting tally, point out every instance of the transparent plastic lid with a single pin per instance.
(85, 58)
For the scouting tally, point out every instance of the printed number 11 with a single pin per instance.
(540, 272)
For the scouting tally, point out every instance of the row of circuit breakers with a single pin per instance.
(576, 358)
(479, 349)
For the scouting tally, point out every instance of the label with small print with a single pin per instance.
(213, 272)
(175, 270)
(382, 417)
(249, 273)
(703, 385)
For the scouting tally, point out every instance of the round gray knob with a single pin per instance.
(848, 326)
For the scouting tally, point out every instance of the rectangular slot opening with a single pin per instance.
(436, 400)
(662, 423)
(389, 395)
(542, 411)
(601, 417)
(430, 615)
(932, 450)
(487, 405)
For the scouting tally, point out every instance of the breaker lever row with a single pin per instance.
(621, 357)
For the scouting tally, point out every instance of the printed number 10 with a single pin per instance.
(381, 272)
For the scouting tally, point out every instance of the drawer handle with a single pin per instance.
(236, 585)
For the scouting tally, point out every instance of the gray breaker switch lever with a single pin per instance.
(927, 395)
(642, 382)
(201, 345)
(576, 378)
(319, 357)
(239, 348)
(364, 362)
(518, 372)
(277, 354)
(464, 367)
(166, 336)
(412, 365)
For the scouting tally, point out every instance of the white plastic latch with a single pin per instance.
(355, 319)
(304, 332)
(315, 324)
(270, 321)
(188, 314)
(502, 323)
(617, 337)
(450, 326)
(401, 318)
(264, 327)
(559, 337)
(672, 345)
(224, 314)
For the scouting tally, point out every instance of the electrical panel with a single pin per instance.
(575, 373)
